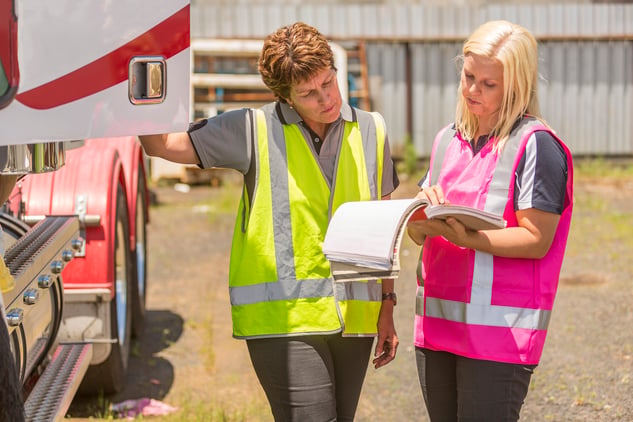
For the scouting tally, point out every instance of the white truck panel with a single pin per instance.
(74, 45)
(108, 113)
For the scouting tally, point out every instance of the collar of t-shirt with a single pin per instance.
(484, 139)
(481, 142)
(290, 116)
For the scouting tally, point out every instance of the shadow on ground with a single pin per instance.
(149, 375)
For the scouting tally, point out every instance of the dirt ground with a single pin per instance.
(188, 359)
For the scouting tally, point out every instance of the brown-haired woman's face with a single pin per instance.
(318, 99)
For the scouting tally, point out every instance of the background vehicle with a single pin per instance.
(92, 76)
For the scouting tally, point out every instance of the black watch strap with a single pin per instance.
(390, 296)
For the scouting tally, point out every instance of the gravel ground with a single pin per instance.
(187, 358)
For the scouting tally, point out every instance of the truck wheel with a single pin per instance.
(11, 405)
(109, 376)
(140, 265)
(12, 228)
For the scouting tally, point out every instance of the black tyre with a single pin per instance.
(11, 406)
(109, 376)
(139, 282)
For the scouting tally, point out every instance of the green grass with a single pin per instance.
(198, 410)
(224, 201)
(603, 168)
(602, 213)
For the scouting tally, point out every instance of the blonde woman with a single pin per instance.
(485, 297)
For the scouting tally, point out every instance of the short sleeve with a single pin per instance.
(541, 176)
(224, 140)
(390, 180)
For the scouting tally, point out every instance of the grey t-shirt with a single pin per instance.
(224, 141)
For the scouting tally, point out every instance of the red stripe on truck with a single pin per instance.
(166, 39)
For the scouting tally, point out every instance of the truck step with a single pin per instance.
(56, 387)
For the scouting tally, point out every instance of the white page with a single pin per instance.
(348, 229)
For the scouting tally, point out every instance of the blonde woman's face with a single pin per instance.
(317, 100)
(482, 87)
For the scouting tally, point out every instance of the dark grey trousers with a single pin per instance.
(456, 388)
(312, 378)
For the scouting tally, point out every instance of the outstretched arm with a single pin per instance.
(176, 147)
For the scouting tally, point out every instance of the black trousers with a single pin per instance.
(312, 378)
(456, 388)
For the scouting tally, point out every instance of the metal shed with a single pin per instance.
(586, 50)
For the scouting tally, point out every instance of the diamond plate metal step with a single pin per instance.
(56, 387)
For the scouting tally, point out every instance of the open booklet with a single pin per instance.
(363, 238)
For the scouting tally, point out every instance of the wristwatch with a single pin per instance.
(390, 296)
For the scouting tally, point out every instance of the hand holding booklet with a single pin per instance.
(363, 238)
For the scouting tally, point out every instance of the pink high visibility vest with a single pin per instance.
(471, 303)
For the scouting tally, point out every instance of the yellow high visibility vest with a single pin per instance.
(279, 279)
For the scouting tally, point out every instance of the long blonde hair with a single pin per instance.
(517, 50)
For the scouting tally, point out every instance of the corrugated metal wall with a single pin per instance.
(586, 61)
(586, 92)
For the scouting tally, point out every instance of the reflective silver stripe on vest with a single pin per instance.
(282, 227)
(366, 291)
(367, 127)
(440, 152)
(479, 314)
(283, 290)
(480, 311)
(287, 287)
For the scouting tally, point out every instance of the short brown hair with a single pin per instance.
(291, 55)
